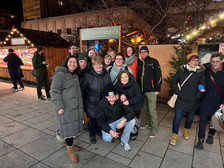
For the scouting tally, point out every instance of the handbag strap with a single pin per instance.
(215, 83)
(186, 79)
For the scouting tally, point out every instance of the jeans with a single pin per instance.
(202, 126)
(93, 127)
(150, 110)
(40, 81)
(177, 120)
(15, 76)
(126, 132)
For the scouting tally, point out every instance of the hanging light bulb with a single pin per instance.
(188, 37)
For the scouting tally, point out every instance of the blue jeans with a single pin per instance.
(126, 132)
(178, 118)
(15, 76)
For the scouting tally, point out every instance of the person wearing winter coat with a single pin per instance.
(93, 85)
(130, 94)
(118, 66)
(14, 63)
(67, 103)
(113, 115)
(188, 96)
(149, 78)
(40, 71)
(213, 98)
(131, 60)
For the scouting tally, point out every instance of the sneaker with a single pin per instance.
(152, 134)
(92, 140)
(144, 127)
(41, 98)
(22, 88)
(126, 146)
(200, 144)
(209, 139)
(15, 90)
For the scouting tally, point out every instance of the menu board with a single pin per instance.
(25, 54)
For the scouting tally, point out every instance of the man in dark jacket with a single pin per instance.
(73, 49)
(14, 63)
(150, 79)
(113, 116)
(213, 98)
(40, 71)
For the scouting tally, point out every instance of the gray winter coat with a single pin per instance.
(66, 94)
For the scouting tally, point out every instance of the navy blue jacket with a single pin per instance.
(212, 98)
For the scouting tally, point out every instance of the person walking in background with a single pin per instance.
(192, 74)
(131, 60)
(67, 102)
(93, 85)
(213, 98)
(149, 78)
(14, 63)
(40, 71)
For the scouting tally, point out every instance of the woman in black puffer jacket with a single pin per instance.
(93, 85)
(130, 94)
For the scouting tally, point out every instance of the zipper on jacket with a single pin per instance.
(143, 73)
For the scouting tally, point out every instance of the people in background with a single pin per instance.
(112, 116)
(82, 58)
(118, 66)
(130, 94)
(131, 60)
(67, 102)
(107, 62)
(91, 54)
(40, 71)
(188, 95)
(213, 98)
(149, 78)
(93, 85)
(113, 54)
(73, 50)
(14, 63)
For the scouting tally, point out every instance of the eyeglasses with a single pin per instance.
(215, 62)
(195, 60)
(74, 48)
(143, 52)
(119, 59)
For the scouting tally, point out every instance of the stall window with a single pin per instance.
(69, 31)
(59, 31)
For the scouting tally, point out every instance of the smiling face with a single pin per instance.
(82, 64)
(193, 62)
(144, 54)
(72, 64)
(91, 53)
(107, 61)
(119, 60)
(124, 78)
(112, 54)
(98, 67)
(73, 50)
(216, 62)
(129, 51)
(111, 99)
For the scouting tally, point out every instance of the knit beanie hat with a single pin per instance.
(82, 56)
(144, 48)
(192, 55)
(107, 56)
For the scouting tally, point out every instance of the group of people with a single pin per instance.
(112, 90)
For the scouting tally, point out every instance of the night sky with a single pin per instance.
(12, 5)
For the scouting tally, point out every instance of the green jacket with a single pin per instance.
(39, 68)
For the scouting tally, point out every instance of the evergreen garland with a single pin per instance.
(215, 39)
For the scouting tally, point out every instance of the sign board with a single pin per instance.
(17, 41)
(100, 33)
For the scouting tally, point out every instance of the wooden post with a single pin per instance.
(81, 42)
(119, 44)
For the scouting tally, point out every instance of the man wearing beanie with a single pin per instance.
(113, 116)
(149, 78)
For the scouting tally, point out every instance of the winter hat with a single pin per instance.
(110, 90)
(144, 48)
(192, 55)
(107, 56)
(82, 56)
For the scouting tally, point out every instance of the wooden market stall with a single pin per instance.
(25, 42)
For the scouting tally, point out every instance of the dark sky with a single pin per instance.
(12, 5)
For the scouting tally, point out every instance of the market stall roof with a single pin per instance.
(3, 35)
(37, 38)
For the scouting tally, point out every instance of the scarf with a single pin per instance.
(215, 70)
(130, 60)
(191, 69)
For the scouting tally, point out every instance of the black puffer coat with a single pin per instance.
(188, 97)
(212, 98)
(133, 93)
(93, 86)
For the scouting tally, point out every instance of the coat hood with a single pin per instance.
(61, 69)
(200, 69)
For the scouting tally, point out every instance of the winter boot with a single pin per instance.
(173, 139)
(200, 144)
(72, 155)
(76, 148)
(209, 139)
(186, 134)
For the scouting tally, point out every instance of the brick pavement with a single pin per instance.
(27, 139)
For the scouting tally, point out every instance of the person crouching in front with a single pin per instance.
(113, 116)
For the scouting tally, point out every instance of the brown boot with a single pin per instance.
(72, 155)
(76, 148)
(173, 139)
(186, 134)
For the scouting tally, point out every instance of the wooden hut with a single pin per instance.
(25, 42)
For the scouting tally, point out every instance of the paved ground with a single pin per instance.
(27, 139)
